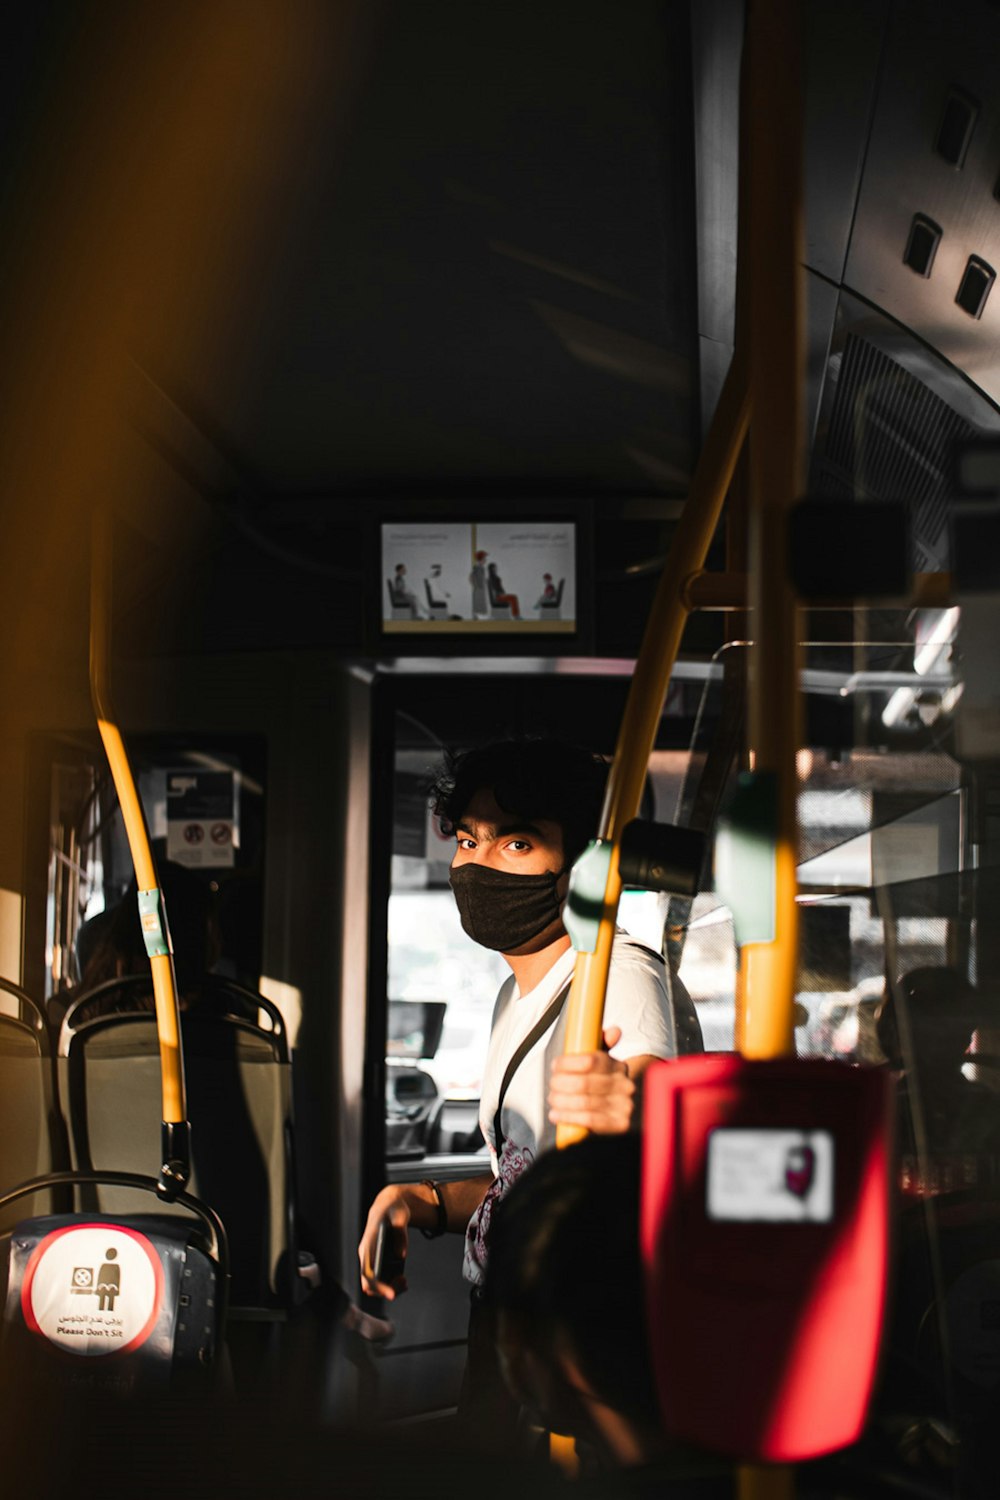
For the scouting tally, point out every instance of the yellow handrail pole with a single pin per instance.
(759, 1483)
(774, 241)
(161, 965)
(660, 644)
(776, 375)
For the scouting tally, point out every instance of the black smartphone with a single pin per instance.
(387, 1267)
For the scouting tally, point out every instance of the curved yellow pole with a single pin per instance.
(161, 965)
(660, 644)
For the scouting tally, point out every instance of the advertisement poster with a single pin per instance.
(487, 578)
(202, 829)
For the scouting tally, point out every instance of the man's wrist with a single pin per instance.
(421, 1204)
(440, 1226)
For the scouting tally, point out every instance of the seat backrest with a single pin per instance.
(558, 598)
(31, 1139)
(239, 1105)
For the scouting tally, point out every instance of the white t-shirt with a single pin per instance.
(638, 999)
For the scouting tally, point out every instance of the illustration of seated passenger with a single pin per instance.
(550, 599)
(401, 598)
(438, 597)
(500, 601)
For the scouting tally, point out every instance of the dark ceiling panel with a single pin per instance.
(497, 181)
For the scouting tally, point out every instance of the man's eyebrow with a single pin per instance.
(501, 831)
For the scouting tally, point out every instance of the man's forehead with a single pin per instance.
(484, 811)
(482, 807)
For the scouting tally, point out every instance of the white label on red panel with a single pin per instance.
(771, 1176)
(93, 1289)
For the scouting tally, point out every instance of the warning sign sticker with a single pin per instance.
(93, 1289)
(202, 827)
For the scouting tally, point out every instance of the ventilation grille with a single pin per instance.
(891, 438)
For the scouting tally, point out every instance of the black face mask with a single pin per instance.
(503, 911)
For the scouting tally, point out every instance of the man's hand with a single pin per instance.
(596, 1091)
(406, 1205)
(391, 1213)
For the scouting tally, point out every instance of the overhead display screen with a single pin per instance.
(479, 578)
(770, 1176)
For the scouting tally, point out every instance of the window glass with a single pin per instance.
(430, 958)
(441, 985)
(214, 830)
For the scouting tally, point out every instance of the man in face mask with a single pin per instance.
(521, 813)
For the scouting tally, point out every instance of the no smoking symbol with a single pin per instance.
(221, 833)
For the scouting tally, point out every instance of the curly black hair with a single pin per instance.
(532, 778)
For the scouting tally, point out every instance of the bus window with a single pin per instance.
(709, 972)
(203, 805)
(881, 839)
(433, 1074)
(441, 986)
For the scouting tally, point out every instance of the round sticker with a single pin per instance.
(93, 1289)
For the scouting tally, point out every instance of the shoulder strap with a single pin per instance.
(541, 1026)
(645, 948)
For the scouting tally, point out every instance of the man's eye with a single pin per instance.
(465, 843)
(518, 845)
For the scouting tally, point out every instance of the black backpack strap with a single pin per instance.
(541, 1026)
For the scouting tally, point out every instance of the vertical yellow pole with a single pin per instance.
(774, 240)
(776, 376)
(758, 1483)
(562, 1453)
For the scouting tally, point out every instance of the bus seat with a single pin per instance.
(397, 611)
(148, 1288)
(498, 611)
(438, 607)
(239, 1105)
(551, 608)
(32, 1139)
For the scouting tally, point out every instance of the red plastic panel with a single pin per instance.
(765, 1237)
